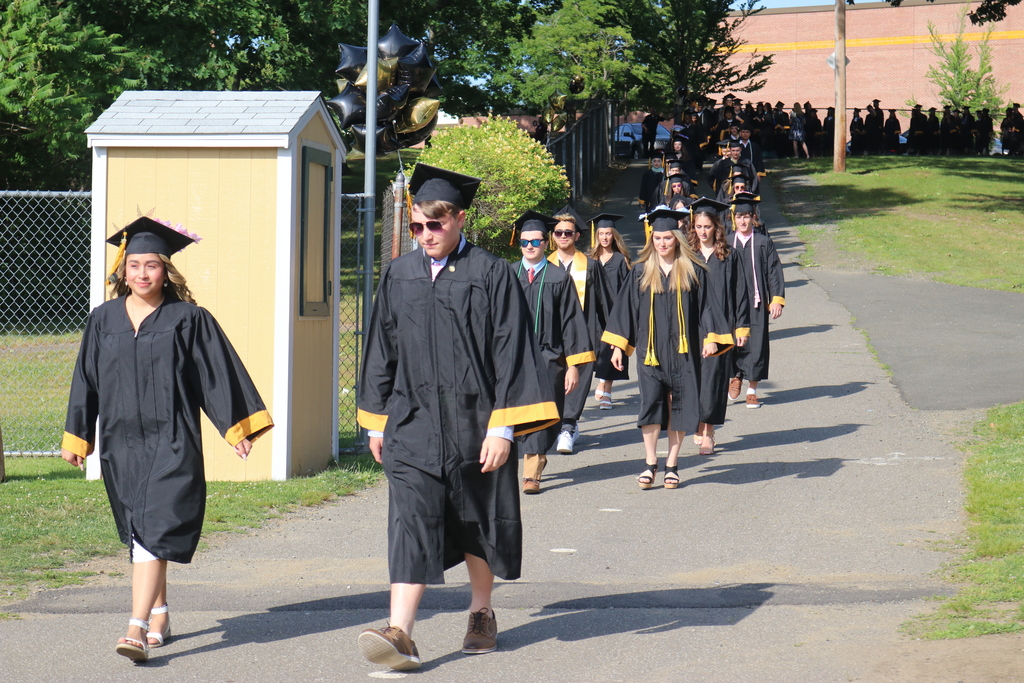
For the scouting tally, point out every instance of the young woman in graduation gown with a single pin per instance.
(149, 360)
(609, 249)
(727, 287)
(661, 310)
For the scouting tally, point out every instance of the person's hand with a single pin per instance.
(775, 310)
(742, 341)
(76, 460)
(617, 358)
(572, 378)
(377, 448)
(710, 349)
(494, 453)
(242, 449)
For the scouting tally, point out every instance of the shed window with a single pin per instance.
(315, 231)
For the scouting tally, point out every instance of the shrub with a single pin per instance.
(518, 174)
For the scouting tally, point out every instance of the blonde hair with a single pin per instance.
(174, 284)
(797, 110)
(684, 267)
(618, 244)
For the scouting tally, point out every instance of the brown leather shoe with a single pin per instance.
(734, 388)
(389, 646)
(752, 401)
(531, 486)
(482, 635)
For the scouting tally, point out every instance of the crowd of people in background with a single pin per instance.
(803, 131)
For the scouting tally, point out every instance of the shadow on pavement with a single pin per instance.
(800, 331)
(789, 436)
(823, 391)
(756, 472)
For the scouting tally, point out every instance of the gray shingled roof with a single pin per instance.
(159, 112)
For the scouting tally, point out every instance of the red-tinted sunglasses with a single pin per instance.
(432, 226)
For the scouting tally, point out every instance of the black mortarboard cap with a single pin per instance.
(739, 169)
(567, 210)
(534, 220)
(779, 104)
(147, 236)
(661, 220)
(605, 220)
(707, 205)
(745, 202)
(746, 127)
(875, 101)
(430, 183)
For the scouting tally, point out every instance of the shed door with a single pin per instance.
(315, 234)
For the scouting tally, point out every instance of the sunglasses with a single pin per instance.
(530, 243)
(432, 226)
(564, 233)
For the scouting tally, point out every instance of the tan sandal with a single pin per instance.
(645, 480)
(706, 449)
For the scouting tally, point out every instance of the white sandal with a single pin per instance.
(605, 399)
(135, 650)
(161, 638)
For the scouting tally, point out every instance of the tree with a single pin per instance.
(959, 83)
(688, 46)
(584, 38)
(987, 11)
(57, 74)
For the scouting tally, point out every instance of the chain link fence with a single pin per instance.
(44, 301)
(350, 315)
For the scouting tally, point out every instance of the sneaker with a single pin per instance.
(752, 401)
(734, 388)
(482, 634)
(530, 486)
(389, 646)
(566, 441)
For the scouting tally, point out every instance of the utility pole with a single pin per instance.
(839, 142)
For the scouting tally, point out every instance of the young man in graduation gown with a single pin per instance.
(559, 330)
(450, 374)
(595, 299)
(650, 183)
(766, 294)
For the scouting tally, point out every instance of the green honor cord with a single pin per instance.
(540, 290)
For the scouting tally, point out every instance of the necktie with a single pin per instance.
(529, 275)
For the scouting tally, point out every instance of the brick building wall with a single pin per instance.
(887, 48)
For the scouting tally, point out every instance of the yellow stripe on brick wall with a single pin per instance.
(873, 42)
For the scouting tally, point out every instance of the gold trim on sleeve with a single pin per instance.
(616, 340)
(524, 415)
(779, 300)
(371, 421)
(252, 428)
(581, 358)
(742, 331)
(76, 445)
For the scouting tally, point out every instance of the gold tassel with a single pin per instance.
(647, 230)
(684, 347)
(593, 235)
(408, 209)
(112, 276)
(651, 358)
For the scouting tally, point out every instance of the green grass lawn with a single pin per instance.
(958, 220)
(52, 518)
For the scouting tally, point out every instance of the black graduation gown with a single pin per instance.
(561, 336)
(446, 360)
(616, 273)
(596, 306)
(728, 288)
(751, 361)
(676, 374)
(147, 390)
(650, 188)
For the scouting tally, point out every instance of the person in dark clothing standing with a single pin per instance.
(892, 133)
(650, 133)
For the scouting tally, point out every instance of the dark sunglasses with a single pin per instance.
(432, 226)
(564, 233)
(530, 243)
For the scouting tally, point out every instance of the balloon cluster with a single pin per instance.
(407, 90)
(555, 113)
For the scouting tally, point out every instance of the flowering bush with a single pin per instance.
(518, 174)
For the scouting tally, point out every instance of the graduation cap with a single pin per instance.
(780, 105)
(662, 219)
(567, 210)
(932, 109)
(148, 236)
(746, 127)
(876, 102)
(707, 205)
(430, 183)
(739, 169)
(531, 221)
(745, 202)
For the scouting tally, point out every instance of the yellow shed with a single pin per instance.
(257, 176)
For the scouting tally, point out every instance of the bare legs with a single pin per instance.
(405, 597)
(149, 590)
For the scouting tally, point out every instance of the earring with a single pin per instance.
(165, 284)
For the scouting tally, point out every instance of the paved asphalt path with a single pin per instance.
(792, 554)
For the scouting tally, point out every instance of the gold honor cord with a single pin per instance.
(651, 358)
(684, 347)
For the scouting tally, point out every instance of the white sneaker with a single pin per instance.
(566, 441)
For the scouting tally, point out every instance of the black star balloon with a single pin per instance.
(415, 69)
(391, 101)
(353, 59)
(394, 43)
(350, 105)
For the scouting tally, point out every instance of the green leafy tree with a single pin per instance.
(56, 75)
(689, 47)
(960, 83)
(986, 11)
(518, 173)
(584, 38)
